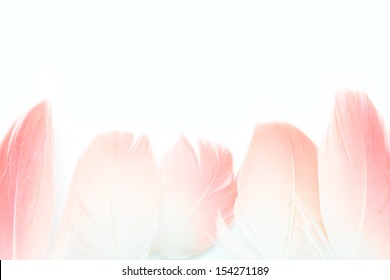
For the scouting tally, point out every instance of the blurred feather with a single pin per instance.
(194, 189)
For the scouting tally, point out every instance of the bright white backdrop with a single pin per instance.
(211, 69)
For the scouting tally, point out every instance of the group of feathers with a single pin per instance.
(289, 200)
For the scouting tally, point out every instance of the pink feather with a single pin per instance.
(194, 190)
(277, 206)
(26, 186)
(354, 180)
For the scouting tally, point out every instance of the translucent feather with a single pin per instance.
(112, 209)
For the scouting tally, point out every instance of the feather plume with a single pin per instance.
(112, 209)
(194, 190)
(26, 186)
(277, 206)
(354, 180)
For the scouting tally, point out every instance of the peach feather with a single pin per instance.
(277, 206)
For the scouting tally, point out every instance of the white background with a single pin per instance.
(209, 69)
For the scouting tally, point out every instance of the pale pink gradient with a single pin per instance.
(26, 186)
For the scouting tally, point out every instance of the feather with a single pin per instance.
(26, 186)
(112, 208)
(277, 207)
(354, 180)
(194, 190)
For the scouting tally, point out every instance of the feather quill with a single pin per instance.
(277, 206)
(112, 209)
(194, 190)
(26, 186)
(354, 180)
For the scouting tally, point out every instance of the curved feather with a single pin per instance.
(277, 206)
(112, 209)
(194, 190)
(354, 179)
(26, 186)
